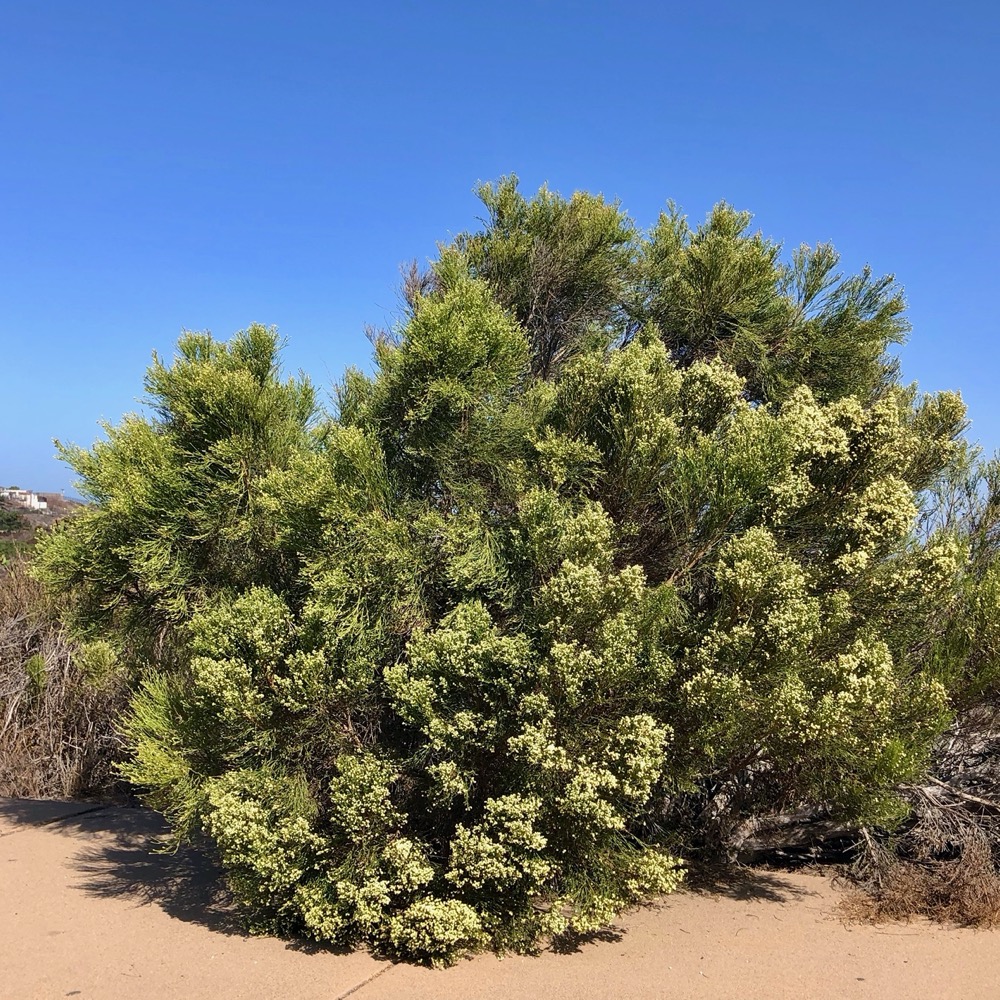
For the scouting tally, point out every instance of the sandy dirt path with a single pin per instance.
(86, 910)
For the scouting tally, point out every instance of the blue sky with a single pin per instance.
(208, 165)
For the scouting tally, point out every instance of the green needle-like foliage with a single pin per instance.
(627, 541)
(177, 510)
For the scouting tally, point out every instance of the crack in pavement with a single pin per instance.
(22, 827)
(354, 989)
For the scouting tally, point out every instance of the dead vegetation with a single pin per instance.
(58, 701)
(944, 864)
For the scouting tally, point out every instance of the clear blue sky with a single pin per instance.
(206, 165)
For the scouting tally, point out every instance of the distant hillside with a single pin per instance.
(57, 507)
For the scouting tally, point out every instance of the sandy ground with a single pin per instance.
(86, 910)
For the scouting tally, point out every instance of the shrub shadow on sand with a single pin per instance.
(742, 884)
(131, 859)
(44, 812)
(570, 943)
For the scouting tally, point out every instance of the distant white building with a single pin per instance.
(24, 498)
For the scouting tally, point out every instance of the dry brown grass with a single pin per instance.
(963, 890)
(56, 718)
(945, 863)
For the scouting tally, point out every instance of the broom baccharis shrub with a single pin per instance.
(456, 667)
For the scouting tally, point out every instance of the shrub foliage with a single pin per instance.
(628, 539)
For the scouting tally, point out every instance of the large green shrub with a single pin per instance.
(619, 547)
